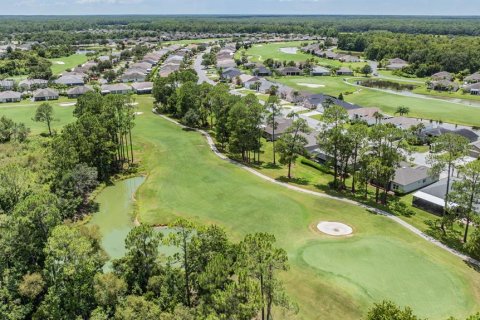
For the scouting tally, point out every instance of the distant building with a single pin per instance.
(45, 94)
(142, 87)
(396, 64)
(344, 71)
(261, 71)
(70, 80)
(10, 96)
(78, 91)
(6, 84)
(320, 71)
(410, 178)
(282, 125)
(32, 84)
(432, 198)
(290, 71)
(119, 88)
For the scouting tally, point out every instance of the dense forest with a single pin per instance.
(426, 54)
(64, 30)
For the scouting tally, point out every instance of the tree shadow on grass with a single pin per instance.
(271, 166)
(473, 266)
(451, 237)
(300, 181)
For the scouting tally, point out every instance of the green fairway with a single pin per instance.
(24, 111)
(261, 52)
(59, 65)
(426, 108)
(382, 260)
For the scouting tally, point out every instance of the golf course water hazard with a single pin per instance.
(114, 217)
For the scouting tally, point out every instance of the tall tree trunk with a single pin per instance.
(289, 169)
(131, 143)
(354, 170)
(445, 208)
(263, 296)
(465, 235)
(49, 127)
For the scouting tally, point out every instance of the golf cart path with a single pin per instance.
(406, 225)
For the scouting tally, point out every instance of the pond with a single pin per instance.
(114, 218)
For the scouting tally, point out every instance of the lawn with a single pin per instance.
(60, 65)
(425, 108)
(261, 52)
(24, 111)
(329, 278)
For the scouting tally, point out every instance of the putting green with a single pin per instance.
(375, 265)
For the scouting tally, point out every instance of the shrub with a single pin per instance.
(316, 165)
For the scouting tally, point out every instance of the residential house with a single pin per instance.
(142, 87)
(70, 80)
(45, 94)
(32, 84)
(344, 71)
(396, 64)
(320, 71)
(6, 84)
(78, 91)
(348, 58)
(230, 74)
(331, 55)
(432, 197)
(119, 88)
(402, 122)
(473, 78)
(133, 76)
(290, 71)
(282, 125)
(367, 115)
(261, 71)
(475, 149)
(247, 78)
(472, 88)
(318, 101)
(410, 178)
(10, 96)
(442, 75)
(260, 85)
(443, 85)
(467, 133)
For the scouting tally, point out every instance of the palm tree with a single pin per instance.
(378, 117)
(402, 110)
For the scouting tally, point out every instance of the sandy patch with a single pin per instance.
(310, 85)
(259, 45)
(291, 50)
(67, 104)
(334, 228)
(59, 62)
(138, 113)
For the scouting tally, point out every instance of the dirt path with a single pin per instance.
(319, 194)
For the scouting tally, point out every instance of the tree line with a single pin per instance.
(426, 54)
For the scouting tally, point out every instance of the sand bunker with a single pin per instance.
(59, 62)
(311, 85)
(291, 50)
(334, 228)
(67, 104)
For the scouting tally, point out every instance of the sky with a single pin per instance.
(318, 7)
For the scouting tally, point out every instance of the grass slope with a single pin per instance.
(25, 111)
(68, 62)
(261, 52)
(186, 179)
